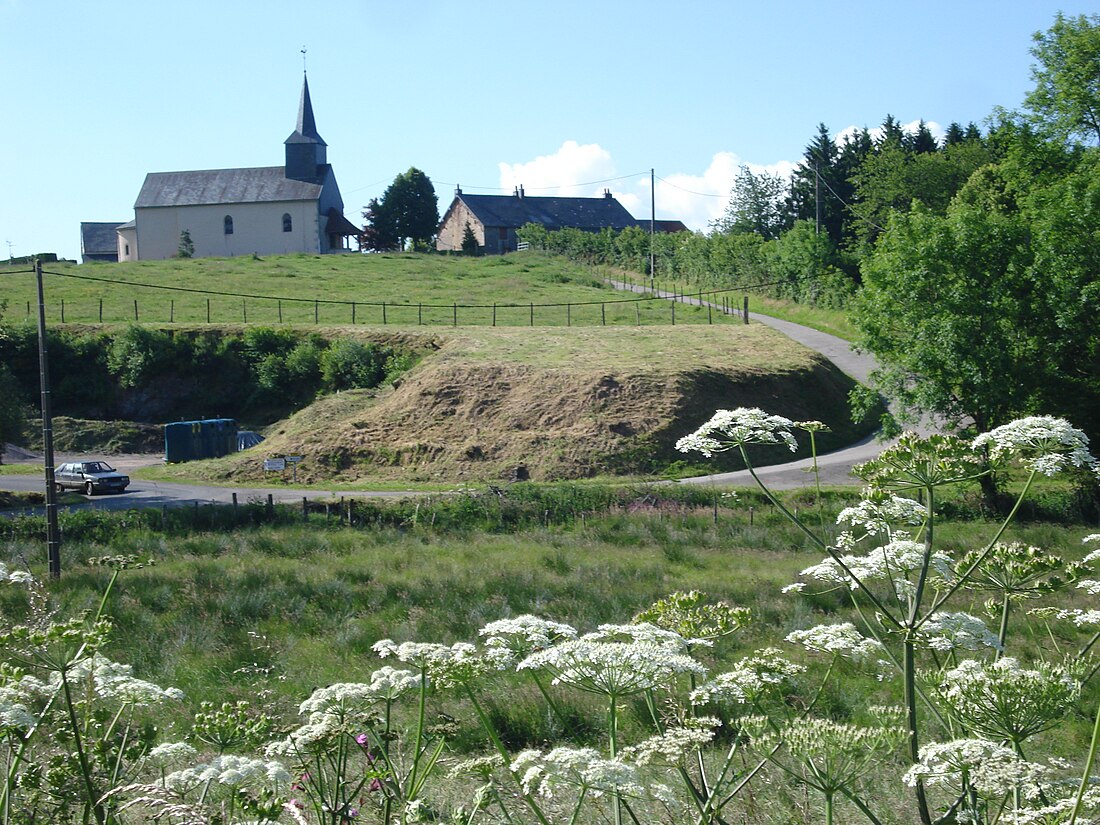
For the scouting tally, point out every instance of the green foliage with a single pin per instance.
(1066, 97)
(187, 246)
(408, 209)
(139, 354)
(470, 246)
(349, 365)
(13, 417)
(757, 204)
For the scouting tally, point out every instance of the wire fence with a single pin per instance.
(655, 307)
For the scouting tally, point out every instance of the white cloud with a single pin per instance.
(561, 173)
(574, 169)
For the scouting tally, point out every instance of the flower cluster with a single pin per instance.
(617, 660)
(1005, 701)
(838, 640)
(227, 769)
(114, 681)
(749, 681)
(670, 747)
(579, 768)
(524, 635)
(1046, 444)
(947, 631)
(691, 616)
(728, 429)
(991, 769)
(893, 562)
(459, 663)
(876, 513)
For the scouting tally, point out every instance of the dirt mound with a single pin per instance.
(454, 419)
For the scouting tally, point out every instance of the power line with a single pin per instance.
(691, 192)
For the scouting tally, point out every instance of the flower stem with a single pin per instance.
(1086, 774)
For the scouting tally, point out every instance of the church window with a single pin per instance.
(228, 224)
(288, 224)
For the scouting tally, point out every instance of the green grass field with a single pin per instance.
(528, 289)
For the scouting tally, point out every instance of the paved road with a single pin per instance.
(835, 467)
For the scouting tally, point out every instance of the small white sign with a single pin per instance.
(274, 463)
(293, 459)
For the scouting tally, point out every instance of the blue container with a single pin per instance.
(191, 440)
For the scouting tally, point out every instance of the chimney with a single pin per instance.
(521, 191)
(458, 189)
(607, 193)
(515, 192)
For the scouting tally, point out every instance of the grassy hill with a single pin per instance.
(561, 403)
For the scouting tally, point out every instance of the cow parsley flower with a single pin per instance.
(337, 699)
(1003, 700)
(114, 681)
(991, 769)
(945, 632)
(171, 753)
(728, 429)
(877, 513)
(691, 616)
(894, 563)
(458, 664)
(600, 663)
(1045, 444)
(838, 640)
(227, 769)
(670, 747)
(578, 768)
(749, 681)
(525, 634)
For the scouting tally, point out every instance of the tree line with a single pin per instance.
(970, 265)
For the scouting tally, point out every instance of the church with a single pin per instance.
(268, 210)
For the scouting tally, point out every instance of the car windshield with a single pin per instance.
(98, 467)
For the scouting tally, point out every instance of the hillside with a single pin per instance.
(552, 404)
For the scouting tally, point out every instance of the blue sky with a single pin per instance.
(559, 96)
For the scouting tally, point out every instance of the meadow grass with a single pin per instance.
(417, 289)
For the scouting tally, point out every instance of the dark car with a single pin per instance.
(90, 476)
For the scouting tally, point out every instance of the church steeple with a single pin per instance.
(305, 148)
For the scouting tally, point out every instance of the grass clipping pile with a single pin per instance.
(550, 404)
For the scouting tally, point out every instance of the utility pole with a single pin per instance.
(11, 258)
(817, 201)
(53, 534)
(652, 224)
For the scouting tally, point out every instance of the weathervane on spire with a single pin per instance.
(303, 59)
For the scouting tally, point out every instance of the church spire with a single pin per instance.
(305, 148)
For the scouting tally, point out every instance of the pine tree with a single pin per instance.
(187, 246)
(470, 245)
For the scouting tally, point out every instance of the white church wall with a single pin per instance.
(257, 228)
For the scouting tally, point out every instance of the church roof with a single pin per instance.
(213, 186)
(306, 130)
(553, 213)
(97, 237)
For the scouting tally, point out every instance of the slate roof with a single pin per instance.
(213, 186)
(306, 129)
(98, 238)
(553, 213)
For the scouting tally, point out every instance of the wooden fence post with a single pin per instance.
(746, 309)
(383, 313)
(316, 311)
(171, 310)
(568, 315)
(603, 314)
(494, 315)
(101, 310)
(135, 310)
(280, 312)
(353, 313)
(62, 310)
(208, 310)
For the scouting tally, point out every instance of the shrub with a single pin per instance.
(350, 364)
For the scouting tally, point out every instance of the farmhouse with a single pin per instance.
(266, 210)
(494, 219)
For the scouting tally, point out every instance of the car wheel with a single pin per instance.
(89, 490)
(57, 488)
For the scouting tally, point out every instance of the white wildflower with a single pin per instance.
(337, 699)
(171, 753)
(457, 664)
(875, 515)
(20, 577)
(958, 631)
(1046, 444)
(989, 768)
(728, 429)
(523, 635)
(894, 562)
(111, 680)
(227, 769)
(749, 680)
(597, 664)
(671, 746)
(579, 768)
(797, 587)
(644, 633)
(315, 735)
(1081, 618)
(838, 640)
(391, 683)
